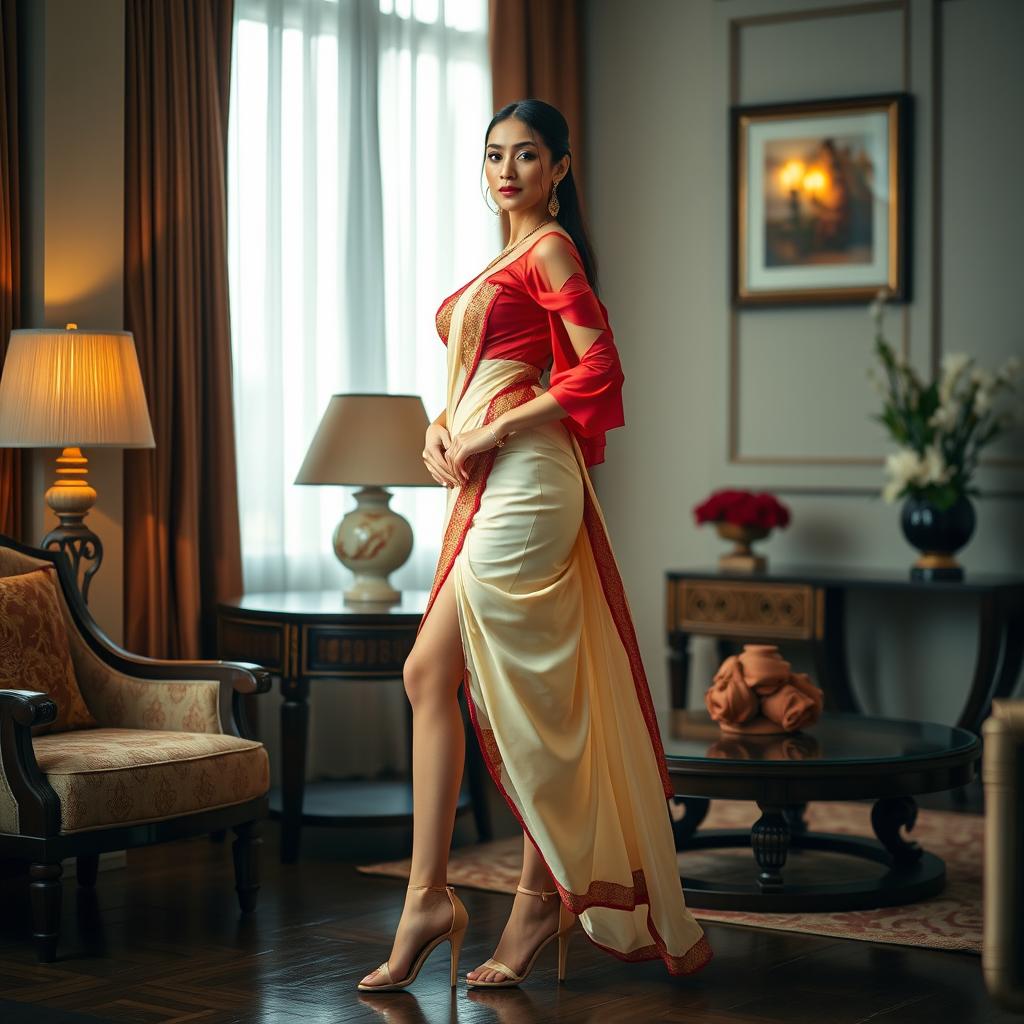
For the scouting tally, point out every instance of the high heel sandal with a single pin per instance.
(566, 921)
(454, 935)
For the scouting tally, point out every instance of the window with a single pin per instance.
(354, 206)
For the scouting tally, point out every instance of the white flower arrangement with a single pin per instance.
(940, 427)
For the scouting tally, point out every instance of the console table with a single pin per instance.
(807, 605)
(301, 636)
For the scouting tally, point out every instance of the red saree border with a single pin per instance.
(615, 595)
(474, 320)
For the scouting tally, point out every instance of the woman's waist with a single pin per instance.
(493, 379)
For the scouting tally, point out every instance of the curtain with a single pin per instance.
(182, 550)
(536, 50)
(10, 247)
(355, 206)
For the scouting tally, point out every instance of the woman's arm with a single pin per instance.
(557, 264)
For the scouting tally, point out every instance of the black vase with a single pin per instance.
(937, 534)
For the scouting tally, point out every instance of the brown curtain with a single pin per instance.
(537, 53)
(182, 550)
(10, 247)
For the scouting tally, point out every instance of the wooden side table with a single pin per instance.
(301, 636)
(806, 604)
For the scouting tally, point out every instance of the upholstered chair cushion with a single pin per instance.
(34, 651)
(106, 777)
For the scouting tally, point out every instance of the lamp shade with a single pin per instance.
(73, 388)
(369, 440)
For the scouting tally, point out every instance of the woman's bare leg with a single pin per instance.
(432, 674)
(531, 920)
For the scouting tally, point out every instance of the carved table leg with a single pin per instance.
(769, 838)
(246, 851)
(45, 897)
(86, 867)
(476, 773)
(294, 734)
(794, 815)
(830, 653)
(887, 816)
(1000, 653)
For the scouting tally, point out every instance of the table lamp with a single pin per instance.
(73, 389)
(373, 442)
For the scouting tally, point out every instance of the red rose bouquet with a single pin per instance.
(743, 508)
(742, 517)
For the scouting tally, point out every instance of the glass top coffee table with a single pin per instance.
(842, 757)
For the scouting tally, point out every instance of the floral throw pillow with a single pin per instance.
(34, 652)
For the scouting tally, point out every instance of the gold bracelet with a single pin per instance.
(499, 442)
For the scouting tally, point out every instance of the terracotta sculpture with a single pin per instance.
(755, 692)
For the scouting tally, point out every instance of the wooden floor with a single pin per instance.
(162, 941)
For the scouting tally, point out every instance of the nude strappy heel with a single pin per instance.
(455, 934)
(566, 921)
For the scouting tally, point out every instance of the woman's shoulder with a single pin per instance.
(553, 251)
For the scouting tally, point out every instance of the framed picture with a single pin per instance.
(820, 212)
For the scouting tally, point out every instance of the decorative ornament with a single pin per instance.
(755, 692)
(940, 427)
(553, 204)
(742, 517)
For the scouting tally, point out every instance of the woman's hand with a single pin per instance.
(467, 444)
(436, 443)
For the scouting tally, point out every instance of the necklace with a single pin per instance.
(508, 248)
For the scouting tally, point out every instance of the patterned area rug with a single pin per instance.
(951, 920)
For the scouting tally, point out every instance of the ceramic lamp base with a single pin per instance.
(373, 541)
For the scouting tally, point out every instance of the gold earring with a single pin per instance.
(553, 204)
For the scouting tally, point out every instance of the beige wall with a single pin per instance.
(74, 195)
(661, 76)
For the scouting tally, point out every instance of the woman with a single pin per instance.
(527, 607)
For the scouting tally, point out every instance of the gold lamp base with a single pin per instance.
(71, 497)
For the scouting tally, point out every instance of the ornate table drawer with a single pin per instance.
(243, 639)
(745, 609)
(356, 652)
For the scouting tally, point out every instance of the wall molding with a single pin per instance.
(736, 27)
(1000, 461)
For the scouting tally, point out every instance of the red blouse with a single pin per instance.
(523, 321)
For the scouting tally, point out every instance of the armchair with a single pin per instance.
(172, 756)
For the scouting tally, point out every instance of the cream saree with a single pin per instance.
(555, 686)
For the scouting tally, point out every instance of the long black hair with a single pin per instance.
(547, 122)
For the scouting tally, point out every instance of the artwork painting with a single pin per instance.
(819, 210)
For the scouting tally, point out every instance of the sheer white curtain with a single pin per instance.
(354, 207)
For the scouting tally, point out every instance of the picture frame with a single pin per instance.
(820, 210)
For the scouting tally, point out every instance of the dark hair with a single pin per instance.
(547, 121)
